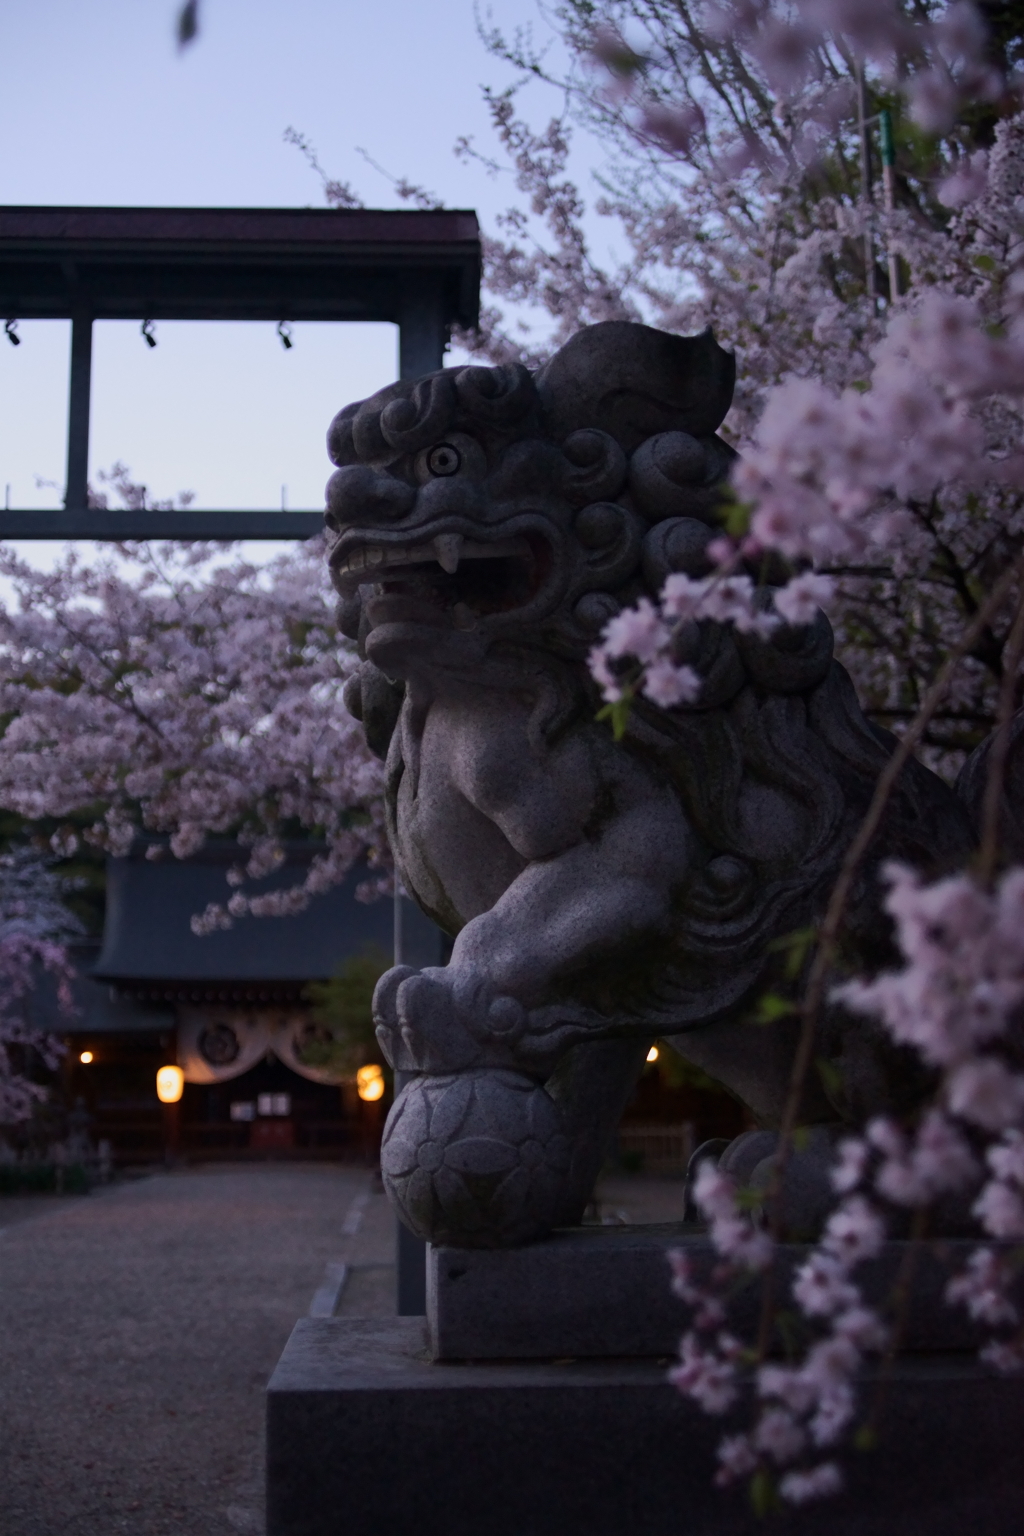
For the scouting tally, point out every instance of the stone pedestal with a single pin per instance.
(533, 1401)
(600, 1291)
(366, 1436)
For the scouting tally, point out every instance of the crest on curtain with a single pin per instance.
(218, 1044)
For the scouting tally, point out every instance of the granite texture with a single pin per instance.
(366, 1436)
(485, 524)
(600, 1292)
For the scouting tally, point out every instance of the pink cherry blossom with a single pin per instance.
(968, 182)
(863, 1328)
(714, 1192)
(849, 1170)
(709, 1311)
(1004, 1355)
(936, 1160)
(787, 1384)
(736, 1458)
(982, 1288)
(34, 927)
(833, 1414)
(821, 1287)
(799, 600)
(942, 1159)
(601, 670)
(705, 1375)
(1000, 1209)
(817, 1483)
(734, 1234)
(638, 632)
(854, 1232)
(962, 979)
(668, 685)
(830, 1361)
(1006, 1158)
(986, 1093)
(779, 1436)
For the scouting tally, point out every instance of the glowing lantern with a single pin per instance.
(370, 1083)
(85, 1058)
(170, 1084)
(652, 1054)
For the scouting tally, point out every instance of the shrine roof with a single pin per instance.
(148, 933)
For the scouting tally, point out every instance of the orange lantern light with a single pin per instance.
(370, 1083)
(85, 1057)
(170, 1084)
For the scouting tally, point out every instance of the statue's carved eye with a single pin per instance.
(445, 459)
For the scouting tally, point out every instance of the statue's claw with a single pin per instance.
(385, 1011)
(445, 1020)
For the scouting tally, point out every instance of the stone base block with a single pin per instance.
(366, 1436)
(599, 1291)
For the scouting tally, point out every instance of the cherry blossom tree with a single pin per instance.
(177, 689)
(744, 186)
(174, 688)
(34, 927)
(924, 445)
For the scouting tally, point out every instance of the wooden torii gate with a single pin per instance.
(419, 270)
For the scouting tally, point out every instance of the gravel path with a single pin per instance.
(138, 1327)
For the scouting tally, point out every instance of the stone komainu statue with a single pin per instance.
(486, 523)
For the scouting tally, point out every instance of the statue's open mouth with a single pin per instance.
(448, 579)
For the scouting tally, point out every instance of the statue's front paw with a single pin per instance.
(419, 1025)
(445, 1020)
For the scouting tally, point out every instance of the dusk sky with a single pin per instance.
(99, 107)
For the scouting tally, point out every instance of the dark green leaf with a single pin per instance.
(866, 1438)
(770, 1006)
(831, 1077)
(618, 714)
(762, 1493)
(794, 946)
(736, 516)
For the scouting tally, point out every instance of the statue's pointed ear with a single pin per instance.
(633, 381)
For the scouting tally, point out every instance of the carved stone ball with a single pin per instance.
(477, 1156)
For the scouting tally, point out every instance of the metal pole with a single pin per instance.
(398, 945)
(889, 191)
(76, 494)
(422, 333)
(865, 178)
(422, 339)
(411, 1257)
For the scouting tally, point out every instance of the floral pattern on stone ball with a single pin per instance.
(477, 1153)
